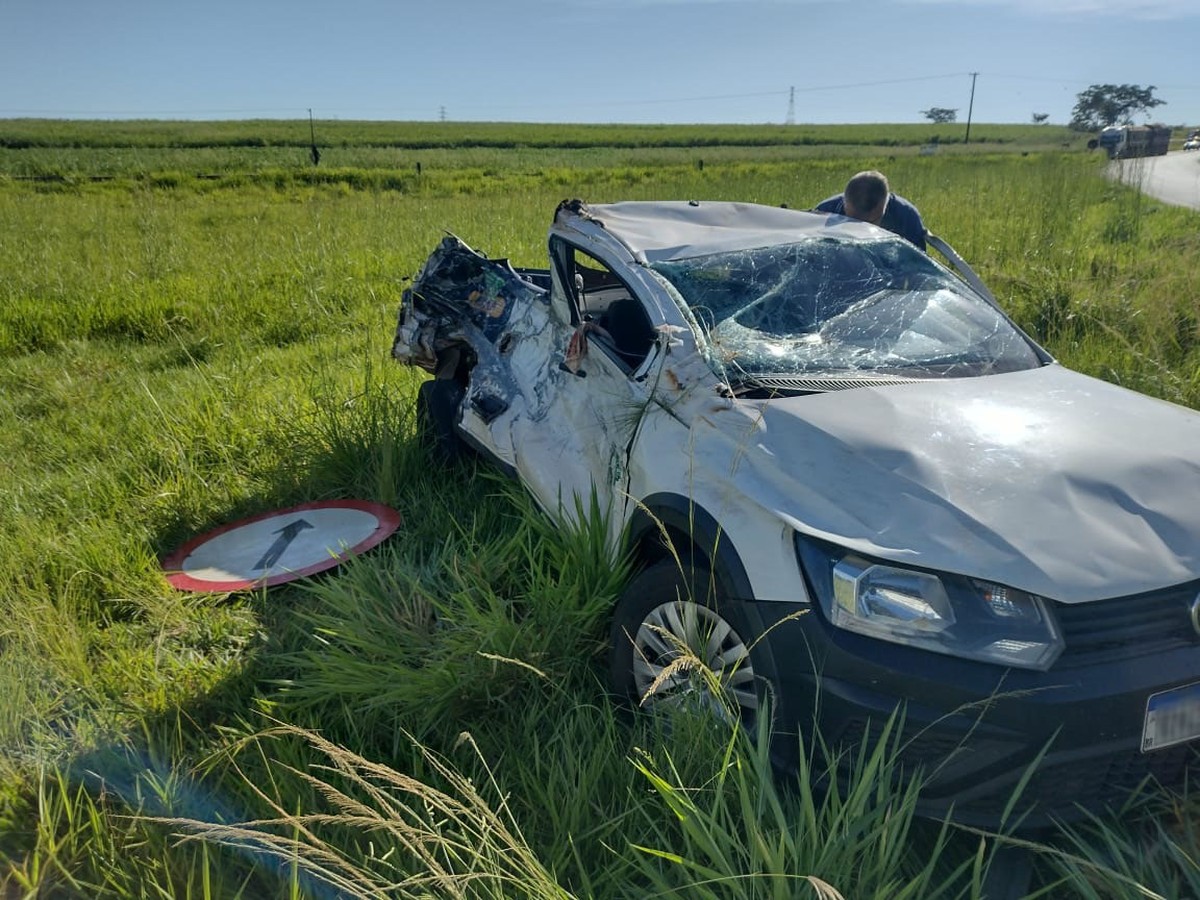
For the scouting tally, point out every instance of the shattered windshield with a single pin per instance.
(835, 306)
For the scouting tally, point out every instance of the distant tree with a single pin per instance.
(940, 115)
(1107, 104)
(1040, 118)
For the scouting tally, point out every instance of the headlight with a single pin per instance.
(931, 611)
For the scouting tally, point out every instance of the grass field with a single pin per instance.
(179, 351)
(47, 149)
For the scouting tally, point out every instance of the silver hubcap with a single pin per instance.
(687, 653)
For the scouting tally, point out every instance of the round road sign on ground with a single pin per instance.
(279, 546)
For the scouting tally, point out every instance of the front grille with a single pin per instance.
(1127, 627)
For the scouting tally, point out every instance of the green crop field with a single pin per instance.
(195, 327)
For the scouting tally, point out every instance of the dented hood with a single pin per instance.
(1045, 480)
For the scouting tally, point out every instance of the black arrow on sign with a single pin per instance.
(287, 534)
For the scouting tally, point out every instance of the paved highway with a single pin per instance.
(1174, 178)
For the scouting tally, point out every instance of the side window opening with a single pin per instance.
(595, 284)
(621, 326)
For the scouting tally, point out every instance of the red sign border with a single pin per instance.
(172, 563)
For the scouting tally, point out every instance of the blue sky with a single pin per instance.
(703, 61)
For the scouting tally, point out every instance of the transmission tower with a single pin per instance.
(791, 116)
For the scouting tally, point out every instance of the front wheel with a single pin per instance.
(675, 640)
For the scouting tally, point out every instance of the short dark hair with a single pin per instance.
(866, 191)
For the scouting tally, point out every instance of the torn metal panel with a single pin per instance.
(456, 291)
(534, 398)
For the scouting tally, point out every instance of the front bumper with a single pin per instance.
(975, 730)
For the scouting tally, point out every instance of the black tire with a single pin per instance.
(664, 609)
(438, 402)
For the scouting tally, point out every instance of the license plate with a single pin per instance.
(1172, 717)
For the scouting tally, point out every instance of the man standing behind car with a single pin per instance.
(868, 197)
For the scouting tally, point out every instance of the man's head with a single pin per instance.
(866, 196)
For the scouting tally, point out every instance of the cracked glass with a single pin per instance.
(827, 307)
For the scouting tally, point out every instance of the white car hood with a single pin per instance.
(1044, 480)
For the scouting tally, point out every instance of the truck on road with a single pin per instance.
(1128, 141)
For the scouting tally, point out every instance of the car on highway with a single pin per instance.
(1192, 143)
(852, 487)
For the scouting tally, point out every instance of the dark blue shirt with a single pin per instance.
(900, 217)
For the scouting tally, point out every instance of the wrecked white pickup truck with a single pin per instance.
(823, 419)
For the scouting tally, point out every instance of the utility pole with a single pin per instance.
(970, 108)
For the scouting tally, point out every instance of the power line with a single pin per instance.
(790, 91)
(858, 84)
(299, 112)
